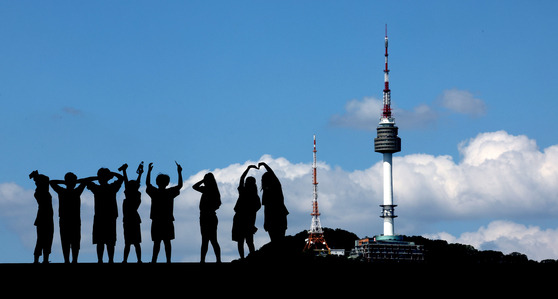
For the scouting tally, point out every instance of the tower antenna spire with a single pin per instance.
(387, 93)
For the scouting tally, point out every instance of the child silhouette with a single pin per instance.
(247, 205)
(130, 217)
(44, 221)
(162, 205)
(106, 212)
(209, 203)
(69, 206)
(275, 212)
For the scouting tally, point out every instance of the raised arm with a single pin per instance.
(123, 169)
(198, 186)
(139, 176)
(148, 176)
(86, 180)
(179, 169)
(243, 176)
(83, 182)
(139, 171)
(266, 167)
(118, 176)
(55, 185)
(57, 182)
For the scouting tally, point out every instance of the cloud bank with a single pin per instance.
(364, 114)
(463, 102)
(504, 182)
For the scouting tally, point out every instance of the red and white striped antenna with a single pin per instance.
(387, 93)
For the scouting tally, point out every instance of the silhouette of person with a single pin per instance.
(209, 203)
(44, 220)
(69, 206)
(247, 205)
(130, 217)
(162, 206)
(275, 212)
(106, 212)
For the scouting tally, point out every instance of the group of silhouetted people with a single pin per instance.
(162, 218)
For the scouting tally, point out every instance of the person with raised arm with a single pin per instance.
(275, 212)
(247, 205)
(162, 206)
(131, 219)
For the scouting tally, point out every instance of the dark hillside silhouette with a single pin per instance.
(441, 252)
(290, 249)
(437, 252)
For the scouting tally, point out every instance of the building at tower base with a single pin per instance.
(392, 249)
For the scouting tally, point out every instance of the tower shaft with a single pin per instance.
(388, 208)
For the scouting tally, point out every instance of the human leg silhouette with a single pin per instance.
(168, 250)
(126, 252)
(138, 251)
(66, 251)
(156, 249)
(110, 253)
(100, 252)
(241, 248)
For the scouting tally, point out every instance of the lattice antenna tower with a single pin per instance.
(316, 240)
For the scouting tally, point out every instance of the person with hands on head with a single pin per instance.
(209, 203)
(106, 212)
(69, 210)
(162, 206)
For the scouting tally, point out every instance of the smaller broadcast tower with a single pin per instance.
(316, 240)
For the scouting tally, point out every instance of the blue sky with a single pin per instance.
(216, 84)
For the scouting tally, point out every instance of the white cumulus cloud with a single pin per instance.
(507, 237)
(499, 177)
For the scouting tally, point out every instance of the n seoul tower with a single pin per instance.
(387, 142)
